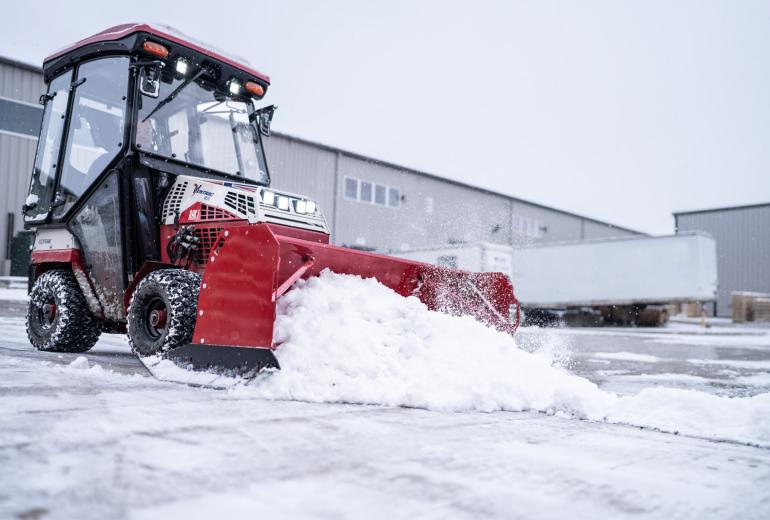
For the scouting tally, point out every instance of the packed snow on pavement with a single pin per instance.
(385, 409)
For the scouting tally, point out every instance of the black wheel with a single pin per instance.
(58, 317)
(161, 315)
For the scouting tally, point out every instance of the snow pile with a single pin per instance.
(80, 363)
(350, 340)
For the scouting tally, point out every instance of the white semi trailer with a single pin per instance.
(626, 280)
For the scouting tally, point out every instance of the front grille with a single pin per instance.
(241, 203)
(207, 242)
(214, 213)
(174, 200)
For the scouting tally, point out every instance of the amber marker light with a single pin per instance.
(254, 89)
(155, 49)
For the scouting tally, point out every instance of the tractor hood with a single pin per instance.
(193, 200)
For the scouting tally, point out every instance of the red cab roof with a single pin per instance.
(169, 33)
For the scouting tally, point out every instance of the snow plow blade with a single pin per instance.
(253, 266)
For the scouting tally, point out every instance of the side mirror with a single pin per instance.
(263, 117)
(149, 80)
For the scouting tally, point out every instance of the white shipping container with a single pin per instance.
(615, 271)
(620, 271)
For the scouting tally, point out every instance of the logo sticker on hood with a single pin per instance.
(198, 190)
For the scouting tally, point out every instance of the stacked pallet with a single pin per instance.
(750, 306)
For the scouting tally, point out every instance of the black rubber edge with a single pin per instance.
(223, 357)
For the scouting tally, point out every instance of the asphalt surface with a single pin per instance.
(97, 444)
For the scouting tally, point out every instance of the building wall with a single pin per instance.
(743, 248)
(430, 210)
(20, 88)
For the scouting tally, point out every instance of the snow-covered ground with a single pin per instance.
(383, 409)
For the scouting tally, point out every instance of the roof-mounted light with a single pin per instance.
(182, 66)
(254, 88)
(234, 87)
(156, 49)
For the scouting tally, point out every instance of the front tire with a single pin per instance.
(162, 312)
(58, 317)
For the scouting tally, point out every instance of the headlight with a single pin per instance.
(268, 197)
(283, 203)
(182, 66)
(235, 87)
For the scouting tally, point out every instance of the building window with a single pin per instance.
(351, 188)
(380, 194)
(19, 118)
(371, 192)
(394, 197)
(366, 191)
(527, 227)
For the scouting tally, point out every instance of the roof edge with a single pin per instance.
(724, 208)
(21, 64)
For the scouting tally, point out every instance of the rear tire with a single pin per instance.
(58, 317)
(162, 312)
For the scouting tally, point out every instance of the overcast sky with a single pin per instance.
(620, 110)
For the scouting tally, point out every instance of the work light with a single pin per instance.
(182, 66)
(268, 197)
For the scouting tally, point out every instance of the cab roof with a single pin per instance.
(165, 32)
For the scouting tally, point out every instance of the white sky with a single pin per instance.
(620, 110)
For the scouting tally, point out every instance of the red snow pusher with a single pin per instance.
(154, 215)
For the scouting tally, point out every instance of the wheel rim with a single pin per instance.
(155, 318)
(47, 313)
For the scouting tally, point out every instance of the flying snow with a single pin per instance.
(352, 340)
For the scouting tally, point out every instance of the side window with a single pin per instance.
(95, 133)
(44, 173)
(98, 228)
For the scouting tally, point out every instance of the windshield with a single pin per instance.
(198, 125)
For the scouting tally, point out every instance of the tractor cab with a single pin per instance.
(127, 112)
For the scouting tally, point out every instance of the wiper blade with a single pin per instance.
(174, 94)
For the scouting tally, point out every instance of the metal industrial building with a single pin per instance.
(368, 203)
(742, 234)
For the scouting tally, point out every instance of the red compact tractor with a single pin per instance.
(154, 214)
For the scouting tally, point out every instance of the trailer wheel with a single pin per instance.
(161, 315)
(58, 317)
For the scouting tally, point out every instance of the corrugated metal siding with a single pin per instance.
(17, 154)
(20, 84)
(302, 169)
(743, 248)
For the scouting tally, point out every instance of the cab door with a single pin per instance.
(41, 187)
(89, 199)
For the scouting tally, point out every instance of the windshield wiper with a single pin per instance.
(174, 93)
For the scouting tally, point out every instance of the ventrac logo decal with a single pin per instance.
(198, 190)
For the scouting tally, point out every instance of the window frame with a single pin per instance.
(176, 162)
(41, 217)
(373, 201)
(119, 153)
(345, 188)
